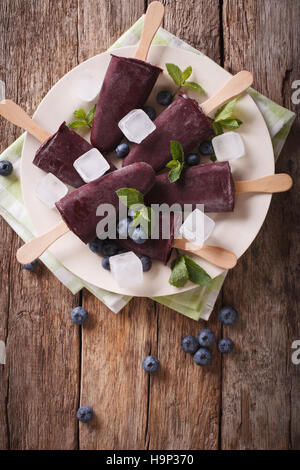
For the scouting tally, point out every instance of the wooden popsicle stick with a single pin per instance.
(213, 254)
(36, 247)
(16, 115)
(153, 19)
(267, 184)
(234, 87)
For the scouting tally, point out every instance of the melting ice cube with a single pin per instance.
(228, 146)
(50, 190)
(197, 227)
(91, 165)
(136, 126)
(126, 269)
(86, 87)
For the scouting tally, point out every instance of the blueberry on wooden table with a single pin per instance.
(206, 338)
(79, 315)
(31, 266)
(85, 414)
(189, 344)
(151, 364)
(225, 345)
(228, 315)
(202, 357)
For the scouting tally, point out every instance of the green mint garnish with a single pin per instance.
(131, 197)
(185, 269)
(83, 118)
(225, 117)
(180, 77)
(177, 163)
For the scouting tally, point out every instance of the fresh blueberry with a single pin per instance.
(85, 414)
(122, 227)
(110, 248)
(192, 159)
(189, 344)
(151, 364)
(206, 338)
(137, 234)
(202, 357)
(79, 315)
(206, 147)
(31, 266)
(5, 167)
(105, 263)
(96, 246)
(146, 262)
(134, 209)
(150, 111)
(225, 345)
(122, 150)
(164, 97)
(228, 315)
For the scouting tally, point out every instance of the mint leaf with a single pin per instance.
(177, 163)
(179, 275)
(90, 116)
(85, 119)
(172, 164)
(194, 86)
(130, 196)
(196, 274)
(80, 114)
(177, 151)
(230, 124)
(75, 124)
(187, 73)
(213, 157)
(217, 128)
(175, 73)
(174, 173)
(226, 111)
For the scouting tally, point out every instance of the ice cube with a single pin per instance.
(136, 126)
(126, 269)
(91, 165)
(86, 87)
(50, 190)
(197, 227)
(228, 146)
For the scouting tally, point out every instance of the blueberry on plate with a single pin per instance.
(202, 357)
(122, 227)
(228, 315)
(79, 315)
(6, 168)
(122, 150)
(137, 234)
(146, 262)
(192, 159)
(150, 112)
(105, 263)
(31, 266)
(206, 338)
(96, 245)
(151, 364)
(85, 414)
(225, 345)
(206, 147)
(189, 344)
(164, 97)
(110, 248)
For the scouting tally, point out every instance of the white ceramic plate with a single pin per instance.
(234, 231)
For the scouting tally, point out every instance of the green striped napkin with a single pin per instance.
(196, 303)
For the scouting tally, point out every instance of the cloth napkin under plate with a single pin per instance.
(196, 303)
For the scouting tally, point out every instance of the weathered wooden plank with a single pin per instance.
(39, 384)
(260, 385)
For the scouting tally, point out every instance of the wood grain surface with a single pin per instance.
(248, 400)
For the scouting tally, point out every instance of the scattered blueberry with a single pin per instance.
(206, 338)
(225, 345)
(122, 150)
(110, 248)
(31, 266)
(192, 159)
(164, 97)
(122, 227)
(137, 234)
(228, 315)
(150, 111)
(96, 246)
(105, 263)
(79, 315)
(134, 209)
(146, 262)
(189, 344)
(202, 357)
(5, 168)
(151, 364)
(85, 414)
(206, 147)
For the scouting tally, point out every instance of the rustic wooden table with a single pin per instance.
(248, 400)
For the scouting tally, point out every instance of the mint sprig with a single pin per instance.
(177, 163)
(132, 198)
(185, 269)
(83, 118)
(225, 117)
(180, 77)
